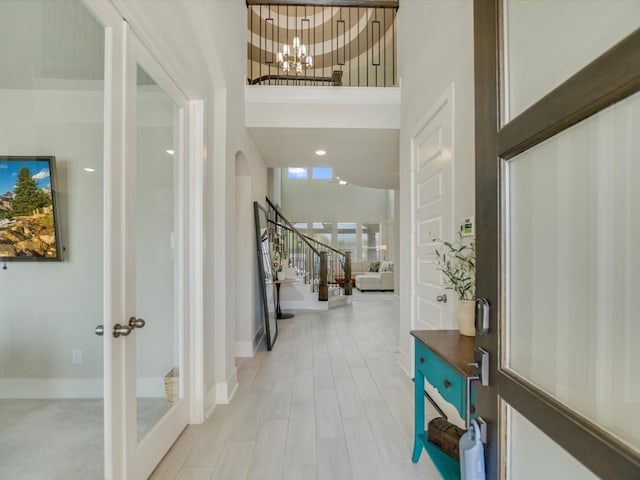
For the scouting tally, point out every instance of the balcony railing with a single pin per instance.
(350, 45)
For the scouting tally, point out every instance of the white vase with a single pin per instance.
(466, 317)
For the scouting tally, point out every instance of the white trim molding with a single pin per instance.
(196, 262)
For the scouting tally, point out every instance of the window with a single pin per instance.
(300, 226)
(321, 231)
(371, 242)
(322, 173)
(347, 236)
(297, 172)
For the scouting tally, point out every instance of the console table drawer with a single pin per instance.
(447, 381)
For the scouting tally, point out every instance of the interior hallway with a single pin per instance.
(330, 402)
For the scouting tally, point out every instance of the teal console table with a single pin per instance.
(441, 357)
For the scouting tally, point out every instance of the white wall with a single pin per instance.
(232, 310)
(319, 200)
(48, 309)
(445, 56)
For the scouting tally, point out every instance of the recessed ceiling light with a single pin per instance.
(90, 170)
(321, 152)
(170, 152)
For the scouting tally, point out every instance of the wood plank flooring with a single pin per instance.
(329, 402)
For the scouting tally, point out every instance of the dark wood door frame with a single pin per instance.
(485, 13)
(613, 76)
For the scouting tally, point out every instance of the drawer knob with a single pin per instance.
(447, 383)
(421, 360)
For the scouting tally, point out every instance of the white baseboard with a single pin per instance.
(224, 391)
(72, 388)
(247, 349)
(210, 401)
(244, 349)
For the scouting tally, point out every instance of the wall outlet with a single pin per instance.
(76, 357)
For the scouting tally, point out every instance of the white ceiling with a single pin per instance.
(366, 157)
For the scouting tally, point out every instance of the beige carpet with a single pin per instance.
(60, 439)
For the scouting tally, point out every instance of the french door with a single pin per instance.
(557, 188)
(146, 407)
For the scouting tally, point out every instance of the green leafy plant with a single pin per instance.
(457, 261)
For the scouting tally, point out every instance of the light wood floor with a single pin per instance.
(329, 402)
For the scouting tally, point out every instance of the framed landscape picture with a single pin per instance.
(29, 225)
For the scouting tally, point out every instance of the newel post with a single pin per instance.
(347, 273)
(323, 286)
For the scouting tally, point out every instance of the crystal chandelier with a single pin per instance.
(294, 58)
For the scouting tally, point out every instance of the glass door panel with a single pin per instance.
(576, 33)
(156, 406)
(51, 362)
(523, 438)
(157, 159)
(574, 268)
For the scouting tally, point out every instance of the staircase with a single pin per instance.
(317, 266)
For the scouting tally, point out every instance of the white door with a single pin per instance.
(145, 219)
(432, 215)
(155, 212)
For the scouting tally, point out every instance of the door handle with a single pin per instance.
(442, 298)
(118, 330)
(121, 330)
(136, 323)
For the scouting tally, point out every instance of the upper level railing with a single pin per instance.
(317, 264)
(350, 43)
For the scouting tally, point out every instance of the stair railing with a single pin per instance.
(320, 265)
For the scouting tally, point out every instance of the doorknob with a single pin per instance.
(442, 298)
(118, 330)
(136, 323)
(121, 330)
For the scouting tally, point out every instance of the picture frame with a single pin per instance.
(29, 212)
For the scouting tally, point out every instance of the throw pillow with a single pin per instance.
(374, 266)
(384, 267)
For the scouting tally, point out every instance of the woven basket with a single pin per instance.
(172, 386)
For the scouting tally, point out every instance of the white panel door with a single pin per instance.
(432, 201)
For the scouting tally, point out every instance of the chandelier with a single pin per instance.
(294, 58)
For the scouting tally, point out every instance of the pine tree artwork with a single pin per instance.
(28, 216)
(28, 197)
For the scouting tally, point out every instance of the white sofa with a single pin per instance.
(381, 280)
(358, 268)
